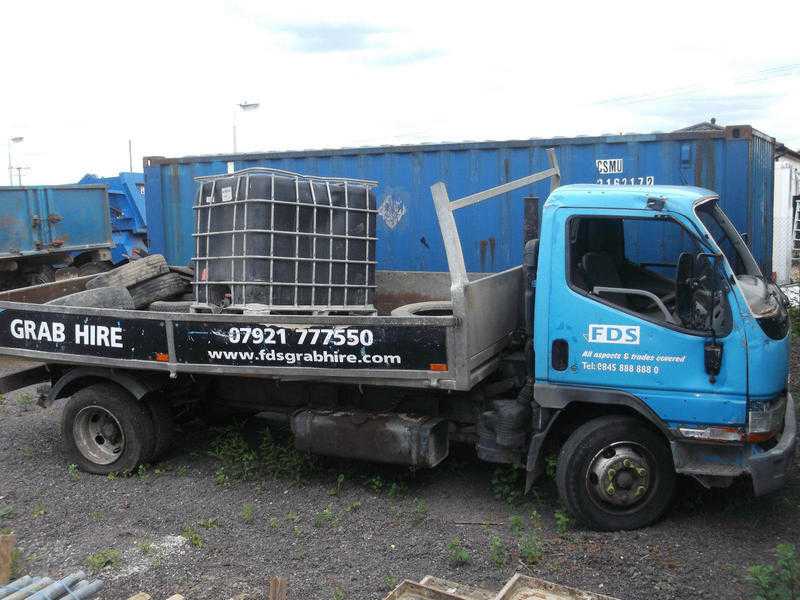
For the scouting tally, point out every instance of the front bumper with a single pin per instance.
(718, 464)
(768, 470)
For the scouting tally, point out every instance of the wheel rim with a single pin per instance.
(98, 435)
(622, 477)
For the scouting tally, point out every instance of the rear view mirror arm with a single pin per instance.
(616, 290)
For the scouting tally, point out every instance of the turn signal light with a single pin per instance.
(437, 367)
(162, 357)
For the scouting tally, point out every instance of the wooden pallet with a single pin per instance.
(519, 587)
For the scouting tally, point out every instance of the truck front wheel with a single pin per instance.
(615, 473)
(105, 429)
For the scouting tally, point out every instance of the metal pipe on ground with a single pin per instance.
(38, 584)
(60, 588)
(88, 591)
(15, 585)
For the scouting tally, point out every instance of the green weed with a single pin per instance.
(337, 489)
(190, 535)
(145, 547)
(247, 513)
(107, 557)
(39, 510)
(780, 581)
(550, 466)
(530, 549)
(420, 510)
(353, 506)
(6, 511)
(72, 471)
(375, 484)
(390, 581)
(457, 553)
(274, 522)
(397, 489)
(563, 522)
(497, 551)
(210, 523)
(517, 525)
(321, 519)
(239, 461)
(507, 484)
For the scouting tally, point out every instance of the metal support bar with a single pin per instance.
(447, 223)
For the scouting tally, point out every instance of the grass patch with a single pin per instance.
(353, 506)
(105, 558)
(145, 547)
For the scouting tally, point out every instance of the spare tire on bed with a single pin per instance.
(104, 297)
(131, 273)
(158, 288)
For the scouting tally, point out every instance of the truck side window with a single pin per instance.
(638, 255)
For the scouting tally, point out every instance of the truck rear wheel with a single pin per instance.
(615, 473)
(106, 430)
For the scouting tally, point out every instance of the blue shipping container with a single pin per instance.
(46, 220)
(735, 161)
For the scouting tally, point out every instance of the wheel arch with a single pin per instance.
(70, 382)
(572, 407)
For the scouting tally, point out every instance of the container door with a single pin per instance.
(76, 218)
(638, 342)
(19, 232)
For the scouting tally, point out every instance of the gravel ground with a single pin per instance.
(368, 539)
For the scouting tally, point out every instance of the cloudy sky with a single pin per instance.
(82, 78)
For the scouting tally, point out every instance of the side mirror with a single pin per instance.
(530, 258)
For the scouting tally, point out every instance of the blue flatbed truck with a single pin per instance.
(632, 362)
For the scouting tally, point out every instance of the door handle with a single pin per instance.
(559, 355)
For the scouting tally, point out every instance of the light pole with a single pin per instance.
(12, 140)
(244, 106)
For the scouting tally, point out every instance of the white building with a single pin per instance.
(785, 204)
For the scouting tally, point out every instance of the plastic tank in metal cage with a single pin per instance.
(286, 242)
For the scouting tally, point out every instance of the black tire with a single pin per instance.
(158, 288)
(131, 273)
(603, 445)
(176, 306)
(163, 426)
(122, 426)
(106, 297)
(95, 267)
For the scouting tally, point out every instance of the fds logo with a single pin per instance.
(613, 334)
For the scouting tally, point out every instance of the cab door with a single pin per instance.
(611, 340)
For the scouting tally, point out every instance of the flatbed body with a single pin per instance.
(451, 352)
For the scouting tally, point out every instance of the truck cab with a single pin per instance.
(660, 348)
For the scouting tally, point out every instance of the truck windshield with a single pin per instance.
(728, 240)
(761, 296)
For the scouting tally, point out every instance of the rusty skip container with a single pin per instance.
(734, 161)
(42, 220)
